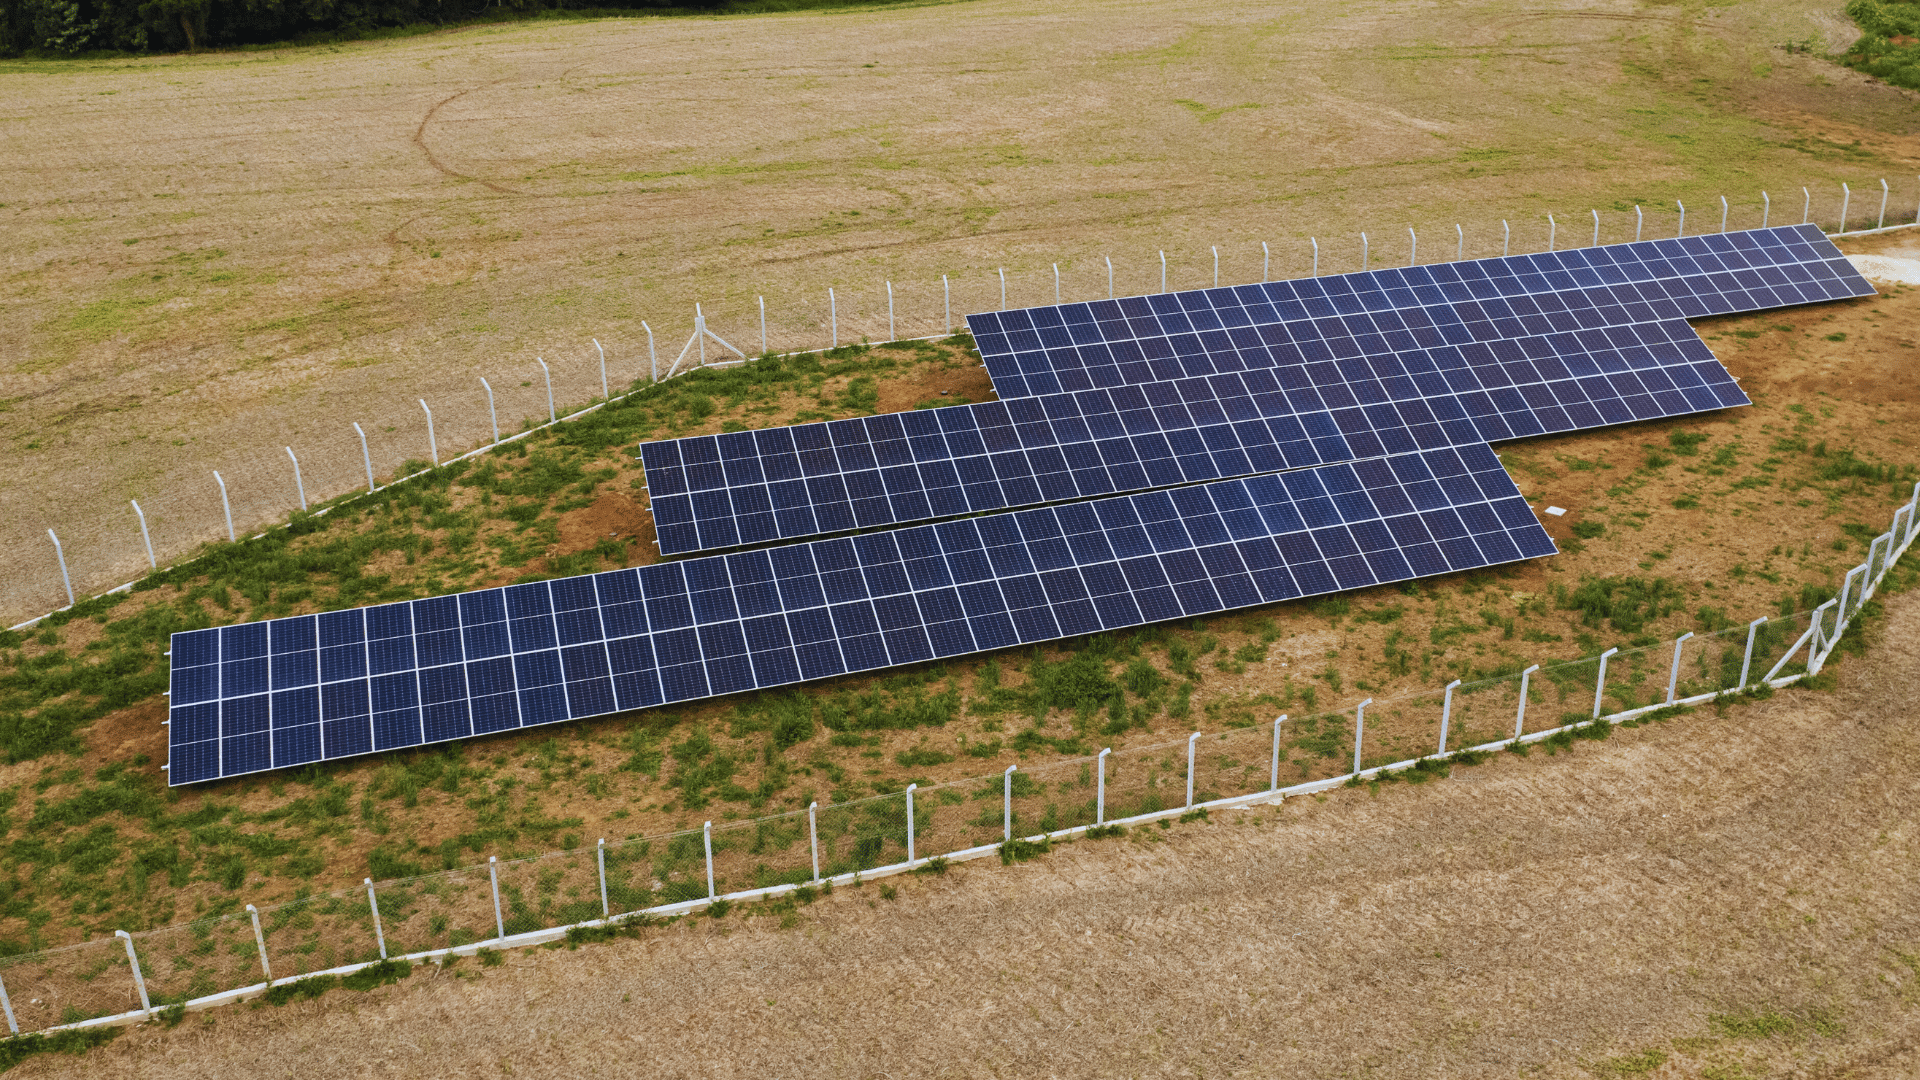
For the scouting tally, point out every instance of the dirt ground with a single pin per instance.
(1720, 896)
(211, 258)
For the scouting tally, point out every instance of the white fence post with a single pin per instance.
(7, 1004)
(493, 875)
(1266, 263)
(1216, 266)
(299, 485)
(833, 319)
(1359, 731)
(1273, 784)
(1316, 254)
(910, 858)
(604, 393)
(1007, 801)
(1673, 676)
(552, 416)
(139, 981)
(433, 444)
(1553, 232)
(1846, 200)
(653, 358)
(891, 335)
(813, 839)
(1639, 222)
(61, 555)
(1806, 206)
(1460, 252)
(763, 326)
(1364, 253)
(260, 940)
(1163, 271)
(1746, 665)
(1873, 565)
(379, 935)
(1520, 717)
(1056, 284)
(1818, 646)
(1446, 714)
(1100, 793)
(1847, 601)
(600, 856)
(225, 506)
(706, 837)
(1766, 208)
(1596, 228)
(1600, 684)
(1506, 238)
(492, 414)
(1883, 204)
(1413, 247)
(1003, 288)
(1109, 259)
(946, 293)
(1190, 741)
(148, 540)
(1683, 218)
(1723, 213)
(365, 457)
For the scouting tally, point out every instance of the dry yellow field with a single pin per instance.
(211, 258)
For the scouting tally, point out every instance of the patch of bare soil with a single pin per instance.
(1724, 895)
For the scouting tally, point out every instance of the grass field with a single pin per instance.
(213, 257)
(216, 256)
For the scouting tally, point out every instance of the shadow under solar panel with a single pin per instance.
(320, 687)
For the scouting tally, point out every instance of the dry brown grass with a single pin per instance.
(211, 257)
(1563, 917)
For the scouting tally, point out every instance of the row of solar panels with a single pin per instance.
(1367, 406)
(307, 688)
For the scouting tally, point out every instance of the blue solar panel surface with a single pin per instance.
(1142, 339)
(1273, 404)
(291, 691)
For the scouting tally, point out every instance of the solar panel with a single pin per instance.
(1166, 336)
(322, 687)
(1279, 399)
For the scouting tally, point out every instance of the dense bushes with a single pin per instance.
(1890, 45)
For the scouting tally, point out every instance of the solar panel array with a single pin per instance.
(1364, 401)
(312, 687)
(1279, 399)
(1044, 350)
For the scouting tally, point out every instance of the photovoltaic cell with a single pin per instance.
(322, 687)
(1277, 405)
(1166, 336)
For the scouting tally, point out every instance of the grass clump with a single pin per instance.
(384, 973)
(21, 1047)
(300, 989)
(1019, 851)
(1106, 832)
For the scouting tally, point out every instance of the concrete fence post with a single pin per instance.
(946, 291)
(1806, 206)
(552, 416)
(1520, 717)
(1723, 213)
(1216, 266)
(1553, 232)
(653, 358)
(1506, 238)
(139, 981)
(433, 444)
(1003, 288)
(1639, 222)
(1359, 731)
(1596, 228)
(7, 1004)
(1273, 783)
(1446, 714)
(1846, 201)
(493, 875)
(833, 319)
(763, 325)
(1746, 664)
(706, 837)
(600, 857)
(1100, 792)
(60, 554)
(1266, 263)
(492, 414)
(910, 789)
(1818, 644)
(299, 485)
(1882, 223)
(1007, 802)
(1364, 253)
(1766, 208)
(373, 905)
(1190, 741)
(365, 457)
(1316, 255)
(225, 506)
(1460, 250)
(813, 838)
(148, 540)
(891, 335)
(1683, 218)
(1056, 284)
(1413, 247)
(1600, 684)
(260, 940)
(1109, 259)
(1673, 676)
(1163, 271)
